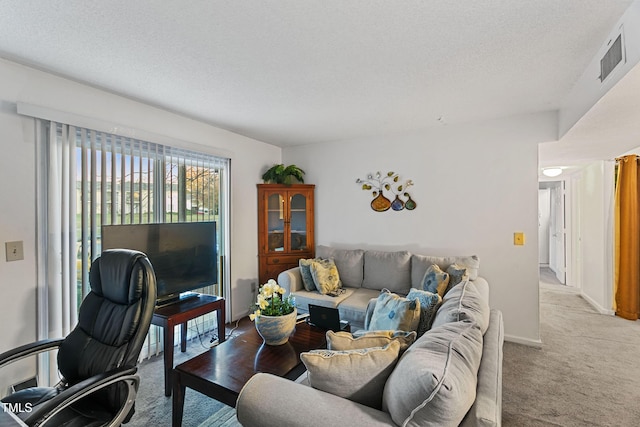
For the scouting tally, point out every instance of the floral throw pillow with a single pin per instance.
(393, 312)
(435, 280)
(325, 276)
(457, 274)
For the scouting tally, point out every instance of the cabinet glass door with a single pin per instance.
(275, 222)
(298, 222)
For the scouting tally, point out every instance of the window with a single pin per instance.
(119, 180)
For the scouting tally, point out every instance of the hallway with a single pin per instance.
(548, 277)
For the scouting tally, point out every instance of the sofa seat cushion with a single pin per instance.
(353, 309)
(420, 263)
(358, 375)
(434, 383)
(390, 270)
(304, 298)
(350, 264)
(462, 302)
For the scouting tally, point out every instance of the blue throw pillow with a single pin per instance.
(393, 312)
(435, 280)
(429, 303)
(305, 273)
(457, 274)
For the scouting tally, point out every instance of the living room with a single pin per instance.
(475, 181)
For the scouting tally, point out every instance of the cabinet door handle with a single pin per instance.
(276, 260)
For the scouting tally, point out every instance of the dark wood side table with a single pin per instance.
(221, 372)
(179, 313)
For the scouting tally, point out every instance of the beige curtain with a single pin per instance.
(627, 239)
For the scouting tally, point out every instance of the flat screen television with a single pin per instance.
(183, 255)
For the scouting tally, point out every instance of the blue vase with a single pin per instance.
(397, 204)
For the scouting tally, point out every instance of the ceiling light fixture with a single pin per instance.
(551, 172)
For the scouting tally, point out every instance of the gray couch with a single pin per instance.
(364, 273)
(452, 375)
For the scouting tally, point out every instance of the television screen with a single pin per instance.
(183, 255)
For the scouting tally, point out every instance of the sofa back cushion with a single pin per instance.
(390, 270)
(434, 383)
(350, 264)
(420, 263)
(462, 302)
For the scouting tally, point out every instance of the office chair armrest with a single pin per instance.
(48, 409)
(27, 350)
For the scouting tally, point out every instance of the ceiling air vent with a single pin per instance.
(611, 59)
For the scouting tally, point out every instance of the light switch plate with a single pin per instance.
(518, 238)
(14, 251)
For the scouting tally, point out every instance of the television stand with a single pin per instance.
(180, 312)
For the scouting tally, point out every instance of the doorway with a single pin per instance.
(552, 232)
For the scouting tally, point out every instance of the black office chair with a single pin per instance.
(97, 360)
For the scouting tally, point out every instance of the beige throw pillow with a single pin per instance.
(357, 375)
(365, 339)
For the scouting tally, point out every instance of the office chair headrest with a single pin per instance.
(111, 276)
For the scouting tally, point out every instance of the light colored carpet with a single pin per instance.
(586, 373)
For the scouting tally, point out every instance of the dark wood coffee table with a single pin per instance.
(221, 372)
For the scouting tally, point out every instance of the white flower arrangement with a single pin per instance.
(271, 301)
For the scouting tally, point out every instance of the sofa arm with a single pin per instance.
(487, 408)
(291, 280)
(268, 400)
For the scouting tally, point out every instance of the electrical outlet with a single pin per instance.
(518, 238)
(14, 251)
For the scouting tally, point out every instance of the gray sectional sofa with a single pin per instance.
(364, 273)
(451, 375)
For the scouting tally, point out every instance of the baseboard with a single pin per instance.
(524, 341)
(597, 306)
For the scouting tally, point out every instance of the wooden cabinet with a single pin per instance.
(285, 227)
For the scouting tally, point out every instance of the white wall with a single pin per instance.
(589, 89)
(594, 245)
(544, 213)
(17, 183)
(17, 278)
(475, 185)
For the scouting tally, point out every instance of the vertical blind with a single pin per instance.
(120, 180)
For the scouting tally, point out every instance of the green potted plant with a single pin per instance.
(281, 174)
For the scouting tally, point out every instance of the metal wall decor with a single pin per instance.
(390, 183)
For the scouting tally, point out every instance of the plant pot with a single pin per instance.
(275, 330)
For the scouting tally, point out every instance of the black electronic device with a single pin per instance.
(326, 318)
(183, 254)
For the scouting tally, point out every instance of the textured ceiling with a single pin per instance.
(300, 71)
